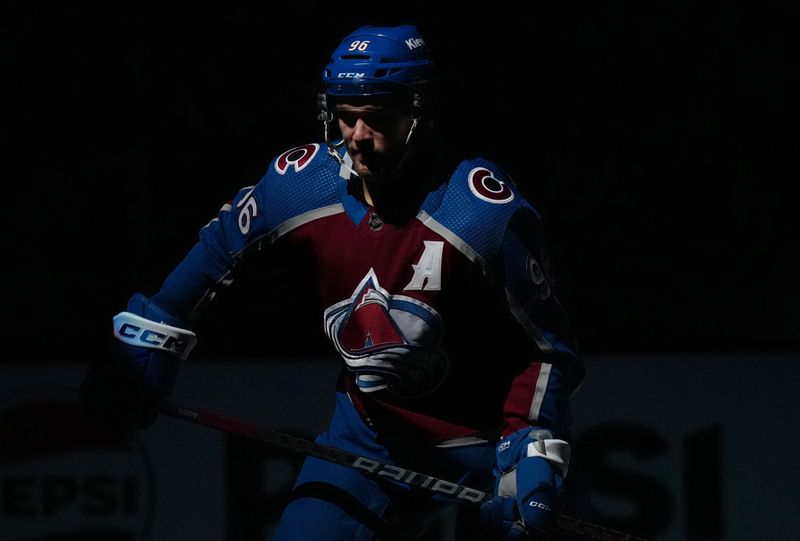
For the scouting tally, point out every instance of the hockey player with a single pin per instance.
(457, 357)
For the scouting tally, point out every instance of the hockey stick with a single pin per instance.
(370, 466)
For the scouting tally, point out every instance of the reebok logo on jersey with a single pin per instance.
(428, 270)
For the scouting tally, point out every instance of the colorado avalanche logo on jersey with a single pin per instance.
(486, 186)
(298, 157)
(388, 341)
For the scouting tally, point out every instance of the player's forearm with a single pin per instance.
(539, 396)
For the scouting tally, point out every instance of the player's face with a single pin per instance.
(375, 136)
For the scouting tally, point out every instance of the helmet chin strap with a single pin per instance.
(414, 124)
(333, 149)
(416, 107)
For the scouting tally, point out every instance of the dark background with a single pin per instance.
(656, 138)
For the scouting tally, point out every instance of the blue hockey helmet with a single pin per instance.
(379, 61)
(391, 62)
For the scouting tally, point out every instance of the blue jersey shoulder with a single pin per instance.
(476, 206)
(299, 180)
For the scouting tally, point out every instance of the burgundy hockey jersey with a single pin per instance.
(448, 323)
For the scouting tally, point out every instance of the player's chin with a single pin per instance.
(369, 172)
(364, 173)
(376, 170)
(374, 177)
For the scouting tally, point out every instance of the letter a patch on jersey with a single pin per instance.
(428, 270)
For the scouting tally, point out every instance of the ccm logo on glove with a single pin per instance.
(138, 331)
(540, 505)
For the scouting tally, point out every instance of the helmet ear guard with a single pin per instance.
(325, 116)
(322, 104)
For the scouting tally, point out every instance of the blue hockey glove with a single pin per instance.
(122, 392)
(529, 473)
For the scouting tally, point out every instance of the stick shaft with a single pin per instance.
(368, 466)
(324, 452)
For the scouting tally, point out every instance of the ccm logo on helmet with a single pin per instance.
(351, 75)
